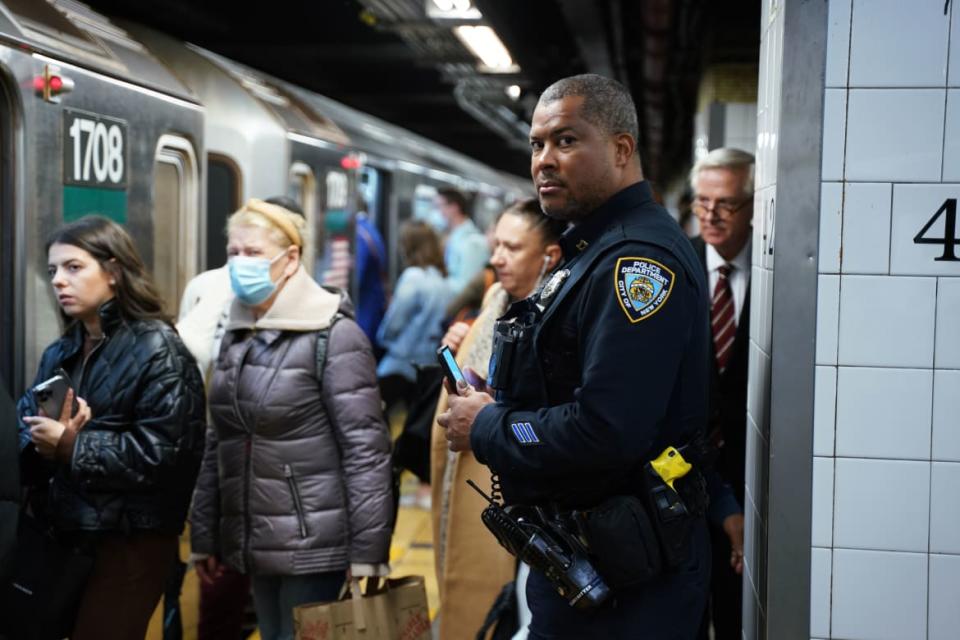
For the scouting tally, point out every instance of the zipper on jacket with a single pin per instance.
(297, 503)
(86, 360)
(248, 463)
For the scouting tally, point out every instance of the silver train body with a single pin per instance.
(168, 139)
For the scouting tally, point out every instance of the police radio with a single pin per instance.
(561, 557)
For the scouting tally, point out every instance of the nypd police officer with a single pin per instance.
(601, 370)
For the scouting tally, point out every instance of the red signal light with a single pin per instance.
(350, 162)
(56, 83)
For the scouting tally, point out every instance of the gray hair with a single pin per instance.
(606, 103)
(726, 158)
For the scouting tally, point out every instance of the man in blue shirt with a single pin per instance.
(467, 249)
(371, 269)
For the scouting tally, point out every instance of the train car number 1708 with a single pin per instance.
(94, 150)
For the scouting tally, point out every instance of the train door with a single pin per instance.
(11, 351)
(224, 186)
(176, 221)
(302, 187)
(335, 263)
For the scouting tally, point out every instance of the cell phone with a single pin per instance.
(51, 394)
(450, 367)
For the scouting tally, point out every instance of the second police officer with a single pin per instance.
(599, 373)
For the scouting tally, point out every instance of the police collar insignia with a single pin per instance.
(553, 284)
(642, 286)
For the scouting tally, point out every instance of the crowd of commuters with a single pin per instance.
(262, 418)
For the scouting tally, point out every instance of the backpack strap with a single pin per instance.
(323, 337)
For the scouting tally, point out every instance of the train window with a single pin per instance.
(223, 198)
(335, 264)
(302, 187)
(176, 233)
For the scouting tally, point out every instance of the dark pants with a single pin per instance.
(395, 390)
(276, 596)
(726, 592)
(128, 578)
(666, 609)
(222, 606)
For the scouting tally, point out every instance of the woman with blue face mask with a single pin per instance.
(295, 486)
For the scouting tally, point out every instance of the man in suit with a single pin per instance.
(722, 184)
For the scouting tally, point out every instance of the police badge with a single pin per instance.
(553, 284)
(642, 286)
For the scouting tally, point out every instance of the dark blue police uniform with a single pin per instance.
(613, 370)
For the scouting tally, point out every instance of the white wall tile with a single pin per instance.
(954, 79)
(821, 529)
(944, 587)
(866, 227)
(828, 317)
(820, 569)
(879, 596)
(951, 138)
(893, 135)
(948, 324)
(946, 415)
(886, 321)
(824, 410)
(881, 504)
(884, 413)
(945, 508)
(898, 44)
(834, 130)
(838, 42)
(914, 205)
(831, 214)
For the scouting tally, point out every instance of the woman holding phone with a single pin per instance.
(119, 472)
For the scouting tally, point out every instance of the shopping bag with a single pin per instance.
(392, 610)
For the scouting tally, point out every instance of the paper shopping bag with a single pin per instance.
(393, 610)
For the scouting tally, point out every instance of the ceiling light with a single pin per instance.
(444, 5)
(483, 42)
(513, 91)
(460, 5)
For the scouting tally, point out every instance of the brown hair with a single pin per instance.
(111, 246)
(456, 197)
(529, 209)
(420, 246)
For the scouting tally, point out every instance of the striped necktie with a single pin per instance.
(723, 318)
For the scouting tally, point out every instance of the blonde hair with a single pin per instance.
(285, 227)
(726, 158)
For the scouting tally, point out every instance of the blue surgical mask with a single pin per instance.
(250, 278)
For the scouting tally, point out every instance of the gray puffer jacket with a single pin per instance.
(295, 479)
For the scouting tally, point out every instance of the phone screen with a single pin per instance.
(450, 366)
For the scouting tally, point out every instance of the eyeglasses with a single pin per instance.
(723, 209)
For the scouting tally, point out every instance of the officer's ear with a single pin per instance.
(624, 148)
(551, 256)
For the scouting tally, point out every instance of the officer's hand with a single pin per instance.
(458, 418)
(733, 527)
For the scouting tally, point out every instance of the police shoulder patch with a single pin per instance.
(642, 286)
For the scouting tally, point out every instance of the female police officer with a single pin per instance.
(609, 362)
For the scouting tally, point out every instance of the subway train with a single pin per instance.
(168, 139)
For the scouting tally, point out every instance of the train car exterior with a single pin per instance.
(169, 139)
(90, 123)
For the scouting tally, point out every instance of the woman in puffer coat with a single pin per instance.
(118, 474)
(295, 484)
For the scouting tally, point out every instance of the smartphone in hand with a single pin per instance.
(450, 367)
(52, 393)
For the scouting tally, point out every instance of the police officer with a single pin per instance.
(607, 363)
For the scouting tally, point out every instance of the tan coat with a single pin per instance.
(471, 565)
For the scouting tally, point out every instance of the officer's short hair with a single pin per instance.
(726, 158)
(606, 103)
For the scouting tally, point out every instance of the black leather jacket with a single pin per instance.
(134, 464)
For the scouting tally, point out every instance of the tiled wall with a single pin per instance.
(886, 489)
(761, 308)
